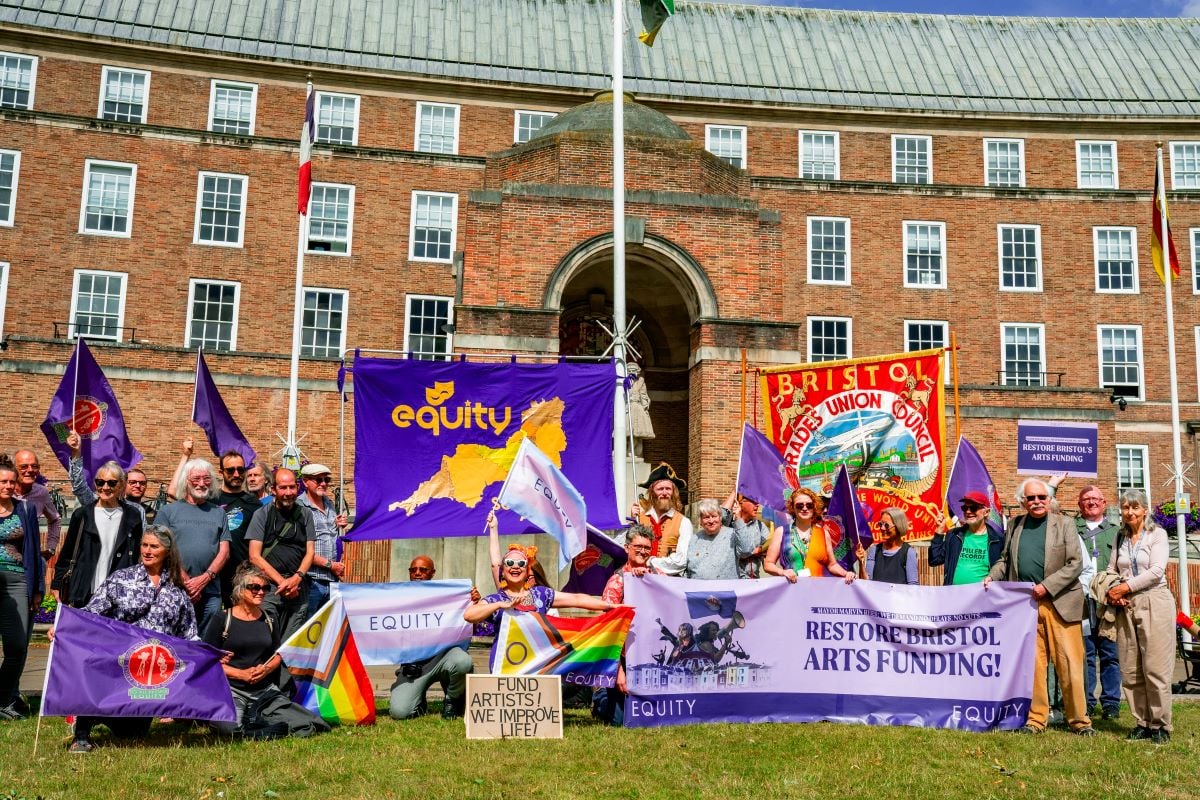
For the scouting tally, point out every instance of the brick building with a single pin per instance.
(803, 184)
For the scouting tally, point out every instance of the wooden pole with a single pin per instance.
(954, 377)
(743, 386)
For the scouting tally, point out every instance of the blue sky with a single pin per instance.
(1040, 8)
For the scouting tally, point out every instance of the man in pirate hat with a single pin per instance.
(661, 510)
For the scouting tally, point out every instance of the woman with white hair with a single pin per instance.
(714, 549)
(1145, 618)
(103, 537)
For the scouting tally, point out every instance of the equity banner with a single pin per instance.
(882, 417)
(770, 651)
(402, 623)
(434, 441)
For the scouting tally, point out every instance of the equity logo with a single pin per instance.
(437, 415)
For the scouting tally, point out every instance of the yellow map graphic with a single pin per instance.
(464, 475)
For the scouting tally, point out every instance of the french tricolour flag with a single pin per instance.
(307, 134)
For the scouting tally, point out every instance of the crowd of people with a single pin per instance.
(242, 557)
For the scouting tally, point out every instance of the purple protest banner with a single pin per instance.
(434, 441)
(86, 403)
(970, 474)
(821, 650)
(105, 668)
(761, 471)
(591, 569)
(210, 413)
(1047, 448)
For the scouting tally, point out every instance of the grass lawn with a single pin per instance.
(429, 759)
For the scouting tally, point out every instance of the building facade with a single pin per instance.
(801, 184)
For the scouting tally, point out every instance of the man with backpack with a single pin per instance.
(281, 538)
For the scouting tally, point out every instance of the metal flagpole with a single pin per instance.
(291, 450)
(75, 384)
(618, 83)
(1180, 524)
(196, 380)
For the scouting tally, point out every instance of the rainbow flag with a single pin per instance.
(584, 650)
(330, 678)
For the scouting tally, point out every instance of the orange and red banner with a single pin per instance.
(882, 417)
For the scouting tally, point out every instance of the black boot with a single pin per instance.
(453, 708)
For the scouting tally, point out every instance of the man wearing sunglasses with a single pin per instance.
(1098, 534)
(239, 506)
(969, 550)
(1044, 549)
(29, 489)
(327, 566)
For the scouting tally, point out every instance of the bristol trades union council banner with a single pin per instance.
(770, 651)
(882, 417)
(434, 440)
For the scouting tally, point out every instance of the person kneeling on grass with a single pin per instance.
(252, 665)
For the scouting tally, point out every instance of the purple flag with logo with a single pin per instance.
(434, 441)
(761, 473)
(876, 653)
(970, 474)
(101, 667)
(845, 520)
(591, 569)
(86, 403)
(210, 413)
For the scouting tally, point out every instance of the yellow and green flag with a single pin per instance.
(654, 14)
(1159, 237)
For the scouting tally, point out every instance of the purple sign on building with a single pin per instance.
(1051, 448)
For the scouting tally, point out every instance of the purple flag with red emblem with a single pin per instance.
(760, 475)
(101, 667)
(86, 403)
(591, 569)
(210, 413)
(845, 520)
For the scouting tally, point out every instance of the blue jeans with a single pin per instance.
(207, 607)
(1110, 671)
(318, 595)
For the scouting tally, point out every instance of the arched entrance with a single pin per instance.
(667, 292)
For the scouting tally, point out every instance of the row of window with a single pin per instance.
(125, 97)
(108, 198)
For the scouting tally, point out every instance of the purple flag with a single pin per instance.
(102, 667)
(86, 403)
(210, 413)
(591, 569)
(970, 474)
(845, 521)
(761, 473)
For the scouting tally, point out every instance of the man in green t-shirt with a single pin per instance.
(969, 550)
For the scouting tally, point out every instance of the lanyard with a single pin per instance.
(1133, 551)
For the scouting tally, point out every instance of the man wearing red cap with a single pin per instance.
(969, 550)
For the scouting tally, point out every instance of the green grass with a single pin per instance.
(429, 759)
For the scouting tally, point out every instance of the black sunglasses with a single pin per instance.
(322, 479)
(112, 484)
(1032, 497)
(970, 508)
(234, 470)
(255, 587)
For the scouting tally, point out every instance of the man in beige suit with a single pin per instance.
(1043, 549)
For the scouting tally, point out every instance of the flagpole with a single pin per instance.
(291, 451)
(954, 373)
(196, 381)
(75, 384)
(618, 116)
(1167, 275)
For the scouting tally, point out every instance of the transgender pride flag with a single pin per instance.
(584, 650)
(330, 679)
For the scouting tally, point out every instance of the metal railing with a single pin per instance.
(72, 330)
(1028, 379)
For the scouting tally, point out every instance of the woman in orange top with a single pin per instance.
(804, 542)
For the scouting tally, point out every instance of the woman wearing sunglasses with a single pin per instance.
(968, 550)
(103, 537)
(252, 664)
(519, 590)
(803, 548)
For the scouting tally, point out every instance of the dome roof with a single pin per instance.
(596, 117)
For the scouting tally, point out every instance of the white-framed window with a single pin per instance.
(1194, 238)
(1004, 162)
(1185, 165)
(425, 321)
(925, 255)
(220, 209)
(1116, 260)
(437, 128)
(1133, 468)
(232, 107)
(124, 94)
(1120, 348)
(527, 123)
(829, 338)
(727, 142)
(829, 250)
(323, 324)
(337, 118)
(18, 79)
(108, 191)
(1096, 164)
(212, 319)
(330, 219)
(819, 156)
(1020, 249)
(927, 334)
(1023, 354)
(433, 223)
(912, 159)
(98, 304)
(4, 270)
(10, 172)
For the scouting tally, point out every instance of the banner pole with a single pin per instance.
(620, 468)
(75, 384)
(196, 380)
(954, 377)
(743, 386)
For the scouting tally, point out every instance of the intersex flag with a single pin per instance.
(654, 14)
(970, 474)
(401, 623)
(210, 413)
(307, 133)
(86, 403)
(761, 474)
(1158, 235)
(539, 492)
(584, 650)
(330, 679)
(591, 569)
(845, 521)
(101, 667)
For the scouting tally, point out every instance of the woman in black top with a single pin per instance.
(252, 663)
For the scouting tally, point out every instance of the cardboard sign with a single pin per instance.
(512, 707)
(1049, 448)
